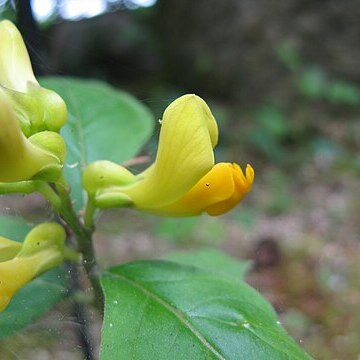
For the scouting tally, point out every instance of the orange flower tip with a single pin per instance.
(250, 174)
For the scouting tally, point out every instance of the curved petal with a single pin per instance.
(20, 159)
(16, 273)
(221, 189)
(8, 248)
(15, 66)
(43, 249)
(37, 109)
(185, 154)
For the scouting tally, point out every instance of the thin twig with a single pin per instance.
(80, 313)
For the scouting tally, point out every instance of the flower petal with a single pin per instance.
(222, 188)
(8, 248)
(17, 272)
(15, 66)
(185, 154)
(42, 249)
(22, 158)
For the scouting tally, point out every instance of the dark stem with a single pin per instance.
(81, 316)
(84, 242)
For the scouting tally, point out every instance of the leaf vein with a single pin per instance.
(176, 312)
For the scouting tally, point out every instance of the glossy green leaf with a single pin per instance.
(38, 296)
(157, 310)
(103, 124)
(212, 260)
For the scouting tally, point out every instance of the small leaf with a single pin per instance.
(211, 260)
(39, 296)
(103, 124)
(341, 92)
(14, 228)
(158, 310)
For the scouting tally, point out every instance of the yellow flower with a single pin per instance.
(42, 250)
(37, 109)
(41, 156)
(183, 180)
(8, 248)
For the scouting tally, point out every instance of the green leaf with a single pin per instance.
(104, 124)
(162, 310)
(211, 260)
(38, 296)
(313, 83)
(341, 92)
(14, 227)
(272, 120)
(32, 301)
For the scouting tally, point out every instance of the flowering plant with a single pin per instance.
(155, 309)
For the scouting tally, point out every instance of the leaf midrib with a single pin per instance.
(176, 312)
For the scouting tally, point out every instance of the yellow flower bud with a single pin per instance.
(40, 156)
(37, 109)
(43, 249)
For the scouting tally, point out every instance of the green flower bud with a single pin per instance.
(99, 175)
(42, 237)
(38, 109)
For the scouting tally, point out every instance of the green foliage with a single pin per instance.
(177, 230)
(159, 309)
(269, 131)
(280, 199)
(14, 228)
(104, 123)
(289, 56)
(273, 120)
(38, 296)
(212, 260)
(191, 230)
(312, 83)
(341, 92)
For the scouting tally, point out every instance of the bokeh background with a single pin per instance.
(283, 80)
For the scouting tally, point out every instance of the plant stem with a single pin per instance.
(22, 187)
(83, 237)
(81, 316)
(89, 214)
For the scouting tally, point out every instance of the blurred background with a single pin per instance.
(283, 80)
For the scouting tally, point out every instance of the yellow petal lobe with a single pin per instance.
(8, 248)
(221, 189)
(22, 158)
(16, 273)
(42, 249)
(15, 66)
